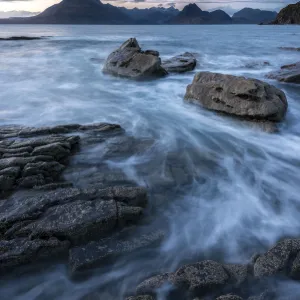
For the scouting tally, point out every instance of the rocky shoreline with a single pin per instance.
(92, 221)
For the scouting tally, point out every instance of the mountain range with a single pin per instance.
(95, 12)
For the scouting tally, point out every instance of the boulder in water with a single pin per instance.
(288, 73)
(131, 62)
(239, 96)
(181, 63)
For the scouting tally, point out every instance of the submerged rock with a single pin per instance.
(237, 96)
(131, 62)
(95, 253)
(287, 73)
(21, 38)
(181, 63)
(290, 48)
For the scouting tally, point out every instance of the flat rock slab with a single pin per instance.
(181, 63)
(20, 251)
(287, 73)
(33, 157)
(238, 96)
(63, 218)
(131, 62)
(95, 253)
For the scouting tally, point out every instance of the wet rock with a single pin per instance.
(80, 220)
(237, 273)
(30, 161)
(237, 96)
(181, 63)
(69, 215)
(149, 286)
(229, 297)
(201, 277)
(21, 38)
(20, 251)
(288, 74)
(278, 259)
(95, 253)
(257, 64)
(290, 48)
(197, 279)
(143, 297)
(131, 62)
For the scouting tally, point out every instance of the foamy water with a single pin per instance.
(242, 189)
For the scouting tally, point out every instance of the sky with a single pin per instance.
(12, 7)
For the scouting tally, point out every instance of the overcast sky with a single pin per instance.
(40, 5)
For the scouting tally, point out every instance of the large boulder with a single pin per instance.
(131, 62)
(287, 73)
(181, 63)
(238, 96)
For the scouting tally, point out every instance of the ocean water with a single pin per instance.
(242, 191)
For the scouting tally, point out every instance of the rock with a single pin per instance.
(131, 62)
(290, 48)
(143, 297)
(237, 96)
(197, 279)
(73, 216)
(20, 251)
(180, 63)
(150, 285)
(288, 74)
(21, 38)
(95, 253)
(29, 161)
(80, 221)
(229, 297)
(201, 277)
(278, 259)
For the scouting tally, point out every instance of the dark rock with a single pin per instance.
(21, 38)
(129, 61)
(229, 297)
(278, 259)
(180, 63)
(290, 48)
(238, 96)
(80, 220)
(95, 253)
(150, 285)
(40, 161)
(237, 273)
(288, 73)
(20, 251)
(201, 277)
(142, 297)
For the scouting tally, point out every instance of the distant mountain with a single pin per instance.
(153, 15)
(192, 14)
(289, 15)
(77, 12)
(254, 16)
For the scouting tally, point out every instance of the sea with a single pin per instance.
(238, 191)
